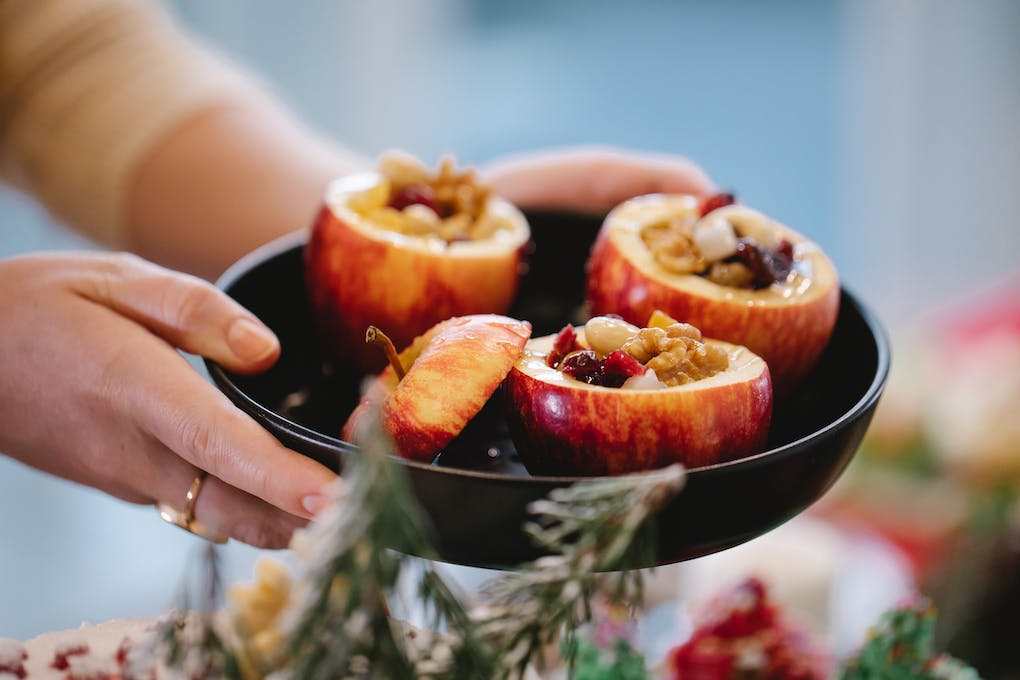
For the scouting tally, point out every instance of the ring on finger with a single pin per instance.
(185, 519)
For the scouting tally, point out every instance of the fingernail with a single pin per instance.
(249, 340)
(315, 503)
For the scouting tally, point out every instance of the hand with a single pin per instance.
(592, 179)
(92, 389)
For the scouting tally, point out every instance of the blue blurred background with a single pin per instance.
(889, 132)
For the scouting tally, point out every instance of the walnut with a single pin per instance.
(449, 205)
(672, 246)
(676, 354)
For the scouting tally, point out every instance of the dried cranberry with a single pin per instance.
(414, 194)
(716, 201)
(17, 671)
(564, 344)
(14, 664)
(583, 365)
(123, 652)
(62, 654)
(619, 366)
(785, 248)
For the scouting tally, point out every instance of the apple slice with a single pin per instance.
(450, 372)
(562, 425)
(787, 322)
(404, 249)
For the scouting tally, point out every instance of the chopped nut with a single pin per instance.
(449, 204)
(676, 354)
(420, 220)
(455, 227)
(725, 252)
(673, 247)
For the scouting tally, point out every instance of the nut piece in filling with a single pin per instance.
(409, 199)
(611, 397)
(615, 351)
(715, 245)
(405, 248)
(726, 269)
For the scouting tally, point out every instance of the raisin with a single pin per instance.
(583, 365)
(766, 266)
(619, 366)
(716, 201)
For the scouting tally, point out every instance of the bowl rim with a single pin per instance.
(288, 242)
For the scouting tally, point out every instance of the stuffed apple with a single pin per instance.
(612, 398)
(725, 268)
(431, 390)
(405, 248)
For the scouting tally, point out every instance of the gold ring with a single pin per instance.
(185, 519)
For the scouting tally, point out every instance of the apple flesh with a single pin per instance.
(359, 274)
(564, 426)
(450, 372)
(788, 323)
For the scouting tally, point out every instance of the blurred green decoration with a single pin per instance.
(902, 647)
(620, 662)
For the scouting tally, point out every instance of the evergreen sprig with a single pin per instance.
(901, 646)
(355, 556)
(337, 624)
(596, 532)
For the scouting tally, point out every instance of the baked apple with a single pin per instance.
(405, 248)
(431, 390)
(612, 398)
(729, 270)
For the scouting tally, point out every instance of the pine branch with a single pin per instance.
(596, 526)
(336, 623)
(355, 555)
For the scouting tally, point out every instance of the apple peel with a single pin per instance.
(451, 372)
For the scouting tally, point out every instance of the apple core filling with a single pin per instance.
(717, 248)
(615, 353)
(448, 205)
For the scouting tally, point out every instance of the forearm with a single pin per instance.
(128, 130)
(226, 181)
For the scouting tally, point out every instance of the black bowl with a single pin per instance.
(477, 491)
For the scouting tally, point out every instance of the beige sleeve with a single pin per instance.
(87, 87)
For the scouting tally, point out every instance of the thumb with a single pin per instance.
(187, 312)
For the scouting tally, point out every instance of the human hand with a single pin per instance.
(591, 179)
(93, 389)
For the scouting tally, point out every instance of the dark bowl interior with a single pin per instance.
(476, 492)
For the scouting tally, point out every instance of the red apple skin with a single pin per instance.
(451, 371)
(563, 428)
(789, 334)
(358, 277)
